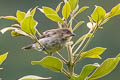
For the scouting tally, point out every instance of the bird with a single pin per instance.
(52, 40)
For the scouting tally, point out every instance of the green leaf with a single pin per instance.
(66, 10)
(51, 14)
(15, 32)
(19, 32)
(115, 11)
(54, 18)
(28, 25)
(75, 10)
(3, 57)
(118, 56)
(98, 14)
(87, 69)
(77, 25)
(33, 77)
(73, 4)
(106, 67)
(91, 20)
(20, 16)
(93, 53)
(8, 17)
(6, 29)
(32, 13)
(58, 6)
(81, 10)
(51, 63)
(80, 39)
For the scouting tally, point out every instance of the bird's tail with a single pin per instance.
(27, 47)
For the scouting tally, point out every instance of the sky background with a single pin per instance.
(18, 63)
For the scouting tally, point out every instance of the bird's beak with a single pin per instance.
(73, 34)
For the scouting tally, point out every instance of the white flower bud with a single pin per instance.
(91, 25)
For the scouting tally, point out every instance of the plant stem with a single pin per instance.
(38, 33)
(62, 58)
(70, 63)
(59, 25)
(82, 42)
(85, 46)
(65, 73)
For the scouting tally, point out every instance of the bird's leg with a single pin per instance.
(43, 48)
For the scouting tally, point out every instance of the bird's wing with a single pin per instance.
(48, 33)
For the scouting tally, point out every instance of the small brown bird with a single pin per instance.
(52, 40)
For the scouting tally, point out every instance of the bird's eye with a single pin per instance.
(68, 32)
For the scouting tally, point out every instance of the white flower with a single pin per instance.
(91, 25)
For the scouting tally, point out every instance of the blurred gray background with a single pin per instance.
(18, 63)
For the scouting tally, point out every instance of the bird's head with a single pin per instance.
(66, 33)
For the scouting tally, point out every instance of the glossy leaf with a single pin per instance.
(33, 77)
(75, 10)
(28, 25)
(14, 34)
(3, 57)
(32, 13)
(8, 17)
(55, 18)
(15, 31)
(51, 63)
(91, 20)
(6, 29)
(93, 53)
(77, 25)
(118, 56)
(66, 10)
(73, 4)
(58, 6)
(51, 14)
(81, 10)
(20, 16)
(87, 69)
(19, 32)
(115, 11)
(106, 67)
(98, 14)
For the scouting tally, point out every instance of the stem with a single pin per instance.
(70, 22)
(82, 42)
(62, 58)
(70, 63)
(65, 73)
(59, 25)
(38, 32)
(85, 46)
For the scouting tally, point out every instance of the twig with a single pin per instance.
(62, 58)
(66, 73)
(82, 42)
(38, 32)
(70, 65)
(85, 46)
